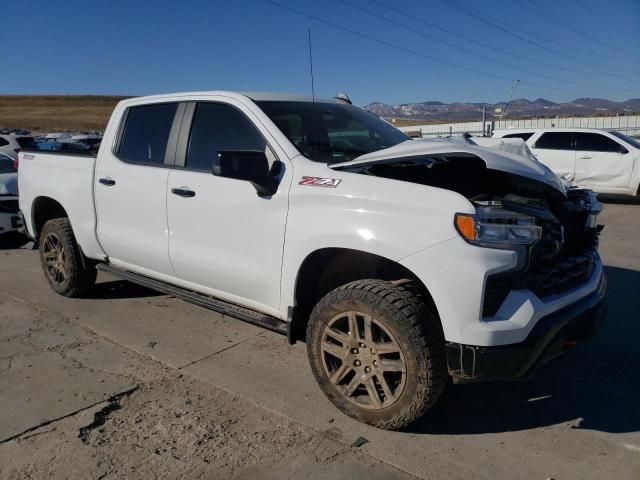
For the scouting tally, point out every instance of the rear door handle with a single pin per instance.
(585, 157)
(109, 182)
(183, 192)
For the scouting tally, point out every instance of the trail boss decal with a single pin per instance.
(320, 182)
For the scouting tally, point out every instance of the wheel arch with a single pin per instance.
(44, 209)
(328, 268)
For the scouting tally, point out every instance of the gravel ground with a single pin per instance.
(170, 425)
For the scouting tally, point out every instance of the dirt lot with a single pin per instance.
(129, 383)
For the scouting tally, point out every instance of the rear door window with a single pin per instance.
(555, 141)
(146, 133)
(523, 136)
(3, 142)
(595, 142)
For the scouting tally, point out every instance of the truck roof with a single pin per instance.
(549, 129)
(255, 96)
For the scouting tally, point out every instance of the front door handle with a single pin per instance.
(109, 182)
(183, 192)
(585, 157)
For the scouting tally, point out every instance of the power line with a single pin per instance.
(537, 9)
(601, 18)
(472, 40)
(498, 23)
(407, 50)
(463, 49)
(478, 15)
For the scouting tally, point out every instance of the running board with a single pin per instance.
(206, 301)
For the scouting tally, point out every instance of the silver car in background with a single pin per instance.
(9, 218)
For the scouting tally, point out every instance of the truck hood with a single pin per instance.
(495, 160)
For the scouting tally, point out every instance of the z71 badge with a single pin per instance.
(320, 182)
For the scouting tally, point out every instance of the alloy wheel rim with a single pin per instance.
(55, 258)
(363, 360)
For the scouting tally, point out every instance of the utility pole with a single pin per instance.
(484, 120)
(504, 110)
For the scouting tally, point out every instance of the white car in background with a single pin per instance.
(604, 161)
(10, 145)
(9, 218)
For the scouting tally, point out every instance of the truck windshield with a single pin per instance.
(331, 132)
(627, 139)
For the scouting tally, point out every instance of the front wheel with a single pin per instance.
(67, 270)
(377, 351)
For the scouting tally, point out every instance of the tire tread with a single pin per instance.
(415, 317)
(81, 271)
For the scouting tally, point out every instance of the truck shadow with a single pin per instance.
(594, 387)
(12, 241)
(119, 289)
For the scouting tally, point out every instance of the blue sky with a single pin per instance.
(144, 47)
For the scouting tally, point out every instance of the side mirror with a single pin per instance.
(251, 166)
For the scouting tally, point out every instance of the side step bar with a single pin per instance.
(220, 306)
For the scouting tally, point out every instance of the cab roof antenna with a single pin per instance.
(313, 90)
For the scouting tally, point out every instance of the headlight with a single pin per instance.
(494, 227)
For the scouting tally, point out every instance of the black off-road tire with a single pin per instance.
(401, 310)
(79, 272)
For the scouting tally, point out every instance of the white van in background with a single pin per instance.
(604, 161)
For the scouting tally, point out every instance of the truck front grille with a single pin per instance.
(542, 280)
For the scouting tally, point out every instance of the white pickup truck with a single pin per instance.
(400, 262)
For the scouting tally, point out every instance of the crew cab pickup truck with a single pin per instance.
(400, 262)
(604, 161)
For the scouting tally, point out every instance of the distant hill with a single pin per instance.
(518, 108)
(46, 113)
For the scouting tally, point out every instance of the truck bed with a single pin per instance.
(66, 178)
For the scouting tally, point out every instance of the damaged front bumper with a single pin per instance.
(551, 336)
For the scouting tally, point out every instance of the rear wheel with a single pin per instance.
(67, 270)
(377, 351)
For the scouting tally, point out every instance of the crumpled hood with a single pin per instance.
(495, 160)
(8, 184)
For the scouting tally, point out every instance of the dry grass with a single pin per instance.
(410, 122)
(45, 113)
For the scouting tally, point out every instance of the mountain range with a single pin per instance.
(518, 108)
